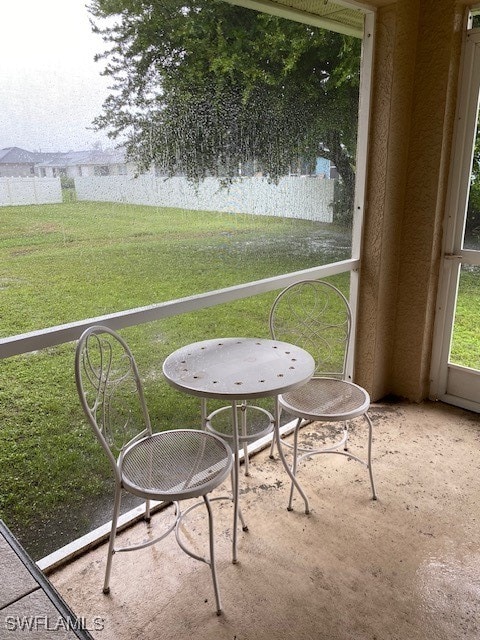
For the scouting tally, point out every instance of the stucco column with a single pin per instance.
(415, 78)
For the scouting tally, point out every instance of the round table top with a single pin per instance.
(238, 368)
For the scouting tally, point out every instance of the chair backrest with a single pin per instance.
(110, 390)
(316, 316)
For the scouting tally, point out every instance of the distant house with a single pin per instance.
(19, 163)
(16, 162)
(74, 164)
(325, 168)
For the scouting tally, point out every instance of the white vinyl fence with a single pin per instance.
(15, 191)
(308, 198)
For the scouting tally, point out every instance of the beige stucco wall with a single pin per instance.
(417, 58)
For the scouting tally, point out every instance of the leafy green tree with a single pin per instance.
(204, 87)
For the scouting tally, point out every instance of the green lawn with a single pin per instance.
(61, 263)
(466, 338)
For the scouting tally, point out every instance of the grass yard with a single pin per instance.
(61, 263)
(465, 348)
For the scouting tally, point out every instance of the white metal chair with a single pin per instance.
(316, 316)
(169, 466)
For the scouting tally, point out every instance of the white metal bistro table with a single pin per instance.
(238, 369)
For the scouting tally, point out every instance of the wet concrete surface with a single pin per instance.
(404, 567)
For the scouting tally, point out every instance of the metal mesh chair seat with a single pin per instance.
(326, 399)
(175, 465)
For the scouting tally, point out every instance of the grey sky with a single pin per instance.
(50, 87)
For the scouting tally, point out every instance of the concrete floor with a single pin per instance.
(406, 567)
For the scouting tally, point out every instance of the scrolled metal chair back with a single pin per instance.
(316, 316)
(110, 390)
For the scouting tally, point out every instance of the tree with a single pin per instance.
(204, 88)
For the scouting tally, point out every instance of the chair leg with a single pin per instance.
(113, 532)
(272, 447)
(369, 459)
(282, 455)
(147, 516)
(212, 555)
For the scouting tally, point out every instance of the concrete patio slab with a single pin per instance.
(405, 567)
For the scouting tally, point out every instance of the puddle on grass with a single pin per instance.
(42, 538)
(324, 244)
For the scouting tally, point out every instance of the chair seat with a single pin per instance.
(327, 399)
(176, 465)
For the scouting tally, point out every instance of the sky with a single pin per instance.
(50, 86)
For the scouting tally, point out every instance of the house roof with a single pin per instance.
(15, 155)
(94, 157)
